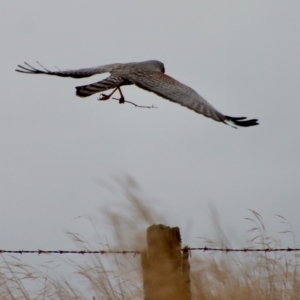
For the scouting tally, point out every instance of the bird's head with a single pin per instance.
(153, 65)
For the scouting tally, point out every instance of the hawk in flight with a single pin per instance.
(148, 75)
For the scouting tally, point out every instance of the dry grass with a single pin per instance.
(258, 276)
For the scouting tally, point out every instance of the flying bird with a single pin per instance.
(148, 75)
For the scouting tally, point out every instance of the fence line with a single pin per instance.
(136, 252)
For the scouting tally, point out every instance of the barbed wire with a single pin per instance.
(288, 249)
(39, 251)
(136, 252)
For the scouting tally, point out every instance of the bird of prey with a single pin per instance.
(148, 75)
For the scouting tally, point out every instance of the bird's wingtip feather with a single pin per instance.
(242, 121)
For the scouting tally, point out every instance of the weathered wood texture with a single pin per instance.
(165, 266)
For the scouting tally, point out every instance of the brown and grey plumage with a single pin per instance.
(148, 75)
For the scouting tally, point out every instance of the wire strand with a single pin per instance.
(136, 252)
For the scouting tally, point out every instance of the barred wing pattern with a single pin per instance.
(173, 90)
(79, 73)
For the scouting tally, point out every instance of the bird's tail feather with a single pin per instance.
(101, 86)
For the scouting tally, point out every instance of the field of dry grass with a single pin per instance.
(214, 276)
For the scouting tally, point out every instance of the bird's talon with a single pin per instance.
(103, 97)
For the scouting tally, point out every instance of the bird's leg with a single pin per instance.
(106, 97)
(122, 99)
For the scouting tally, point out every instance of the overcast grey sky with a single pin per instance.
(242, 56)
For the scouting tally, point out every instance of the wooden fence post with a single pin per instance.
(165, 266)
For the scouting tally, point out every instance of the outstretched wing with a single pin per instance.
(80, 73)
(171, 89)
